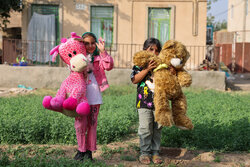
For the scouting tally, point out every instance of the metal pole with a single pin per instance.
(233, 52)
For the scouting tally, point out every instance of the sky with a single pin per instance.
(219, 10)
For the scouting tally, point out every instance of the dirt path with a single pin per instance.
(175, 156)
(126, 153)
(239, 82)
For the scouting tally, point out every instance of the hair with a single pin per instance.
(90, 34)
(152, 41)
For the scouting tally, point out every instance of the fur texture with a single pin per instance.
(168, 82)
(71, 97)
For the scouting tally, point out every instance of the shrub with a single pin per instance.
(24, 120)
(221, 122)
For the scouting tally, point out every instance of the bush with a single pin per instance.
(221, 122)
(24, 120)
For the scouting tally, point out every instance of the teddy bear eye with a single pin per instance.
(69, 55)
(74, 52)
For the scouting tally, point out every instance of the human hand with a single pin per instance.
(101, 45)
(151, 65)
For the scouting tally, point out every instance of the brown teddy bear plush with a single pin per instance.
(169, 77)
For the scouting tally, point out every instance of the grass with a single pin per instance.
(22, 156)
(24, 120)
(221, 120)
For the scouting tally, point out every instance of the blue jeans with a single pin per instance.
(149, 132)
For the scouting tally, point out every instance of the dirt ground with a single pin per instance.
(238, 82)
(172, 156)
(126, 153)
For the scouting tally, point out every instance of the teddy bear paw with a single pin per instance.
(56, 103)
(70, 104)
(167, 120)
(183, 123)
(83, 109)
(51, 103)
(46, 102)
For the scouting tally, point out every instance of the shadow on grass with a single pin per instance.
(211, 135)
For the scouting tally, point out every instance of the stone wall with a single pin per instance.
(52, 77)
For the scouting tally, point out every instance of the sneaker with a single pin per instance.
(79, 155)
(88, 155)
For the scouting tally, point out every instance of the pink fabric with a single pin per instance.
(102, 62)
(86, 129)
(75, 84)
(86, 126)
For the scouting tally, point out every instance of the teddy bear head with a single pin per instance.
(174, 54)
(72, 51)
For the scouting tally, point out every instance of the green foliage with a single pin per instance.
(24, 120)
(221, 122)
(107, 153)
(127, 158)
(217, 159)
(209, 3)
(219, 25)
(5, 8)
(42, 157)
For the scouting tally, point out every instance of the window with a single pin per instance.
(159, 23)
(43, 33)
(102, 22)
(47, 10)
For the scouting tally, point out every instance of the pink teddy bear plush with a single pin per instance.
(71, 97)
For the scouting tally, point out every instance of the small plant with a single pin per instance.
(134, 147)
(4, 159)
(217, 159)
(107, 153)
(171, 165)
(127, 158)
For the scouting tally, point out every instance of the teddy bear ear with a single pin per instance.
(169, 44)
(142, 58)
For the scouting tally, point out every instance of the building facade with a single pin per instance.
(124, 24)
(239, 19)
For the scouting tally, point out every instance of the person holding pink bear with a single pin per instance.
(80, 93)
(96, 83)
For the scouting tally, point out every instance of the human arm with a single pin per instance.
(139, 76)
(105, 60)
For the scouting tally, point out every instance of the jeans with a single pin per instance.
(149, 132)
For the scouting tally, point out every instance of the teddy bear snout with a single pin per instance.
(78, 63)
(176, 62)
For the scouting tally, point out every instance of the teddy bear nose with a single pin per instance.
(73, 66)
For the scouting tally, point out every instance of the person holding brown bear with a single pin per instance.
(149, 131)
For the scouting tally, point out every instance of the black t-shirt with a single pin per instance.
(144, 97)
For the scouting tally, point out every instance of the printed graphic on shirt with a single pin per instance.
(144, 94)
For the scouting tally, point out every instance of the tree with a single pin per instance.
(211, 19)
(5, 8)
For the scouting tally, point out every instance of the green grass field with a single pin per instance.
(221, 120)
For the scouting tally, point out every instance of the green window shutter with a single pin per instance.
(159, 23)
(102, 22)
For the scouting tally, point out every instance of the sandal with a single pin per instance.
(144, 159)
(157, 159)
